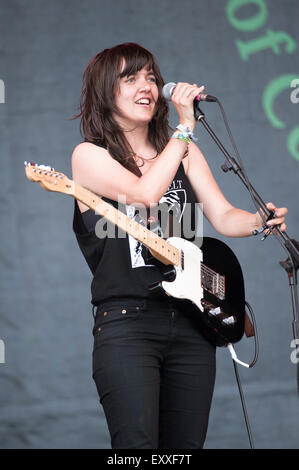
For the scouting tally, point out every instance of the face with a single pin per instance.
(136, 98)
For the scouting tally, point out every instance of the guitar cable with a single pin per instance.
(236, 360)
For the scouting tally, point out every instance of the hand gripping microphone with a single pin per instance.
(168, 90)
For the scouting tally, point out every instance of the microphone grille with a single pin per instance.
(168, 90)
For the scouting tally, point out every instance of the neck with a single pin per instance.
(137, 137)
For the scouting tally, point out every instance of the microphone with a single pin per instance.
(168, 90)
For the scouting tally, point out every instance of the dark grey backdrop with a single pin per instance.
(47, 396)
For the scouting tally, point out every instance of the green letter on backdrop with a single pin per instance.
(271, 39)
(273, 89)
(250, 24)
(293, 143)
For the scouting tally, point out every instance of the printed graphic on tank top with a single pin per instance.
(172, 204)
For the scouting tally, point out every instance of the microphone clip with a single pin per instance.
(198, 113)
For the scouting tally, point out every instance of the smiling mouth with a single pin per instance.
(143, 102)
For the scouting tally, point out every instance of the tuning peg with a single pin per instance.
(45, 167)
(40, 168)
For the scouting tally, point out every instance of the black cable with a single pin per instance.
(256, 340)
(251, 365)
(243, 405)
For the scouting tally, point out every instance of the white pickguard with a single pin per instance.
(187, 284)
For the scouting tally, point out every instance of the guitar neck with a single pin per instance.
(159, 248)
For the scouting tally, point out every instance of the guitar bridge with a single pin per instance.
(219, 286)
(213, 282)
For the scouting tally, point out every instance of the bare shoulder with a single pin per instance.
(87, 147)
(86, 157)
(96, 170)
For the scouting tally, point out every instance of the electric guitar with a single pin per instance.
(210, 278)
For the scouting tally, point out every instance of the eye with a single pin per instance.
(130, 79)
(152, 79)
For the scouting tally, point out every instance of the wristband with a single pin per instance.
(181, 136)
(186, 130)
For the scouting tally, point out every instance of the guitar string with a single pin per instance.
(208, 279)
(211, 272)
(207, 273)
(209, 269)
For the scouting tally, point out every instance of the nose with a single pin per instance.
(144, 85)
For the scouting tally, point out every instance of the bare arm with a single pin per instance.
(225, 218)
(96, 170)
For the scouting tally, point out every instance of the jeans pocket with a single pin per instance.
(110, 315)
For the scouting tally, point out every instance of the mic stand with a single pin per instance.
(291, 246)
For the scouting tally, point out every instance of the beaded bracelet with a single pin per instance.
(181, 136)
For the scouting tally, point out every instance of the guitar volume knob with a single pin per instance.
(229, 321)
(214, 311)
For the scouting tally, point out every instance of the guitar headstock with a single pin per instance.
(48, 178)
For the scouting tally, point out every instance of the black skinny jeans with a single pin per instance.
(154, 373)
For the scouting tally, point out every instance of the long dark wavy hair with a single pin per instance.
(97, 102)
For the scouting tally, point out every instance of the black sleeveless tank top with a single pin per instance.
(120, 264)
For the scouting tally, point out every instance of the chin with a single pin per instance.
(142, 121)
